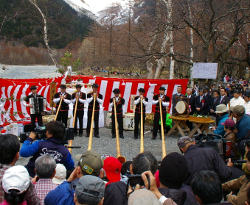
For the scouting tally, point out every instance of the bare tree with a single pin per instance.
(45, 33)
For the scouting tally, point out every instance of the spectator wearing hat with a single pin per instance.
(176, 100)
(89, 190)
(96, 109)
(237, 99)
(172, 175)
(53, 145)
(242, 127)
(28, 103)
(15, 183)
(247, 101)
(60, 175)
(143, 196)
(112, 167)
(116, 193)
(199, 159)
(164, 100)
(90, 163)
(137, 102)
(229, 134)
(222, 99)
(201, 103)
(238, 186)
(45, 169)
(81, 97)
(9, 154)
(66, 100)
(119, 112)
(207, 188)
(221, 111)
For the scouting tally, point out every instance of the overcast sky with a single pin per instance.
(98, 5)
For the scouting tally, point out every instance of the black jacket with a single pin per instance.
(199, 159)
(192, 104)
(179, 196)
(203, 105)
(115, 194)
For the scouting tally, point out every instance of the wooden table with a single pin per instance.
(179, 122)
(200, 126)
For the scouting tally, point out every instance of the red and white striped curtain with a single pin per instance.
(13, 91)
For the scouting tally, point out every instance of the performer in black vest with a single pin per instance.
(26, 103)
(80, 108)
(98, 102)
(119, 112)
(66, 100)
(164, 100)
(137, 102)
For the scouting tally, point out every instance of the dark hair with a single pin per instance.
(45, 166)
(223, 88)
(230, 128)
(217, 91)
(126, 168)
(57, 129)
(13, 198)
(207, 186)
(9, 147)
(144, 162)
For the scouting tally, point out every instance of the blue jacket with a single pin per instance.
(243, 126)
(51, 146)
(62, 195)
(220, 129)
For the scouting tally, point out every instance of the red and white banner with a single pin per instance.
(13, 91)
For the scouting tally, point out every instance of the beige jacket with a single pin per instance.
(241, 184)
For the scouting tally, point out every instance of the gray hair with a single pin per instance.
(45, 166)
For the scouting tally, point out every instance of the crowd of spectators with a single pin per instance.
(197, 176)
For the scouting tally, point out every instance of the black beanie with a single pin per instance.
(173, 170)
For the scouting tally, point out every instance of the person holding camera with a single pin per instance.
(53, 145)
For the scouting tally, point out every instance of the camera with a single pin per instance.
(39, 131)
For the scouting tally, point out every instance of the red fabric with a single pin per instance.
(20, 88)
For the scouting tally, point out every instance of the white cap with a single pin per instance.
(16, 177)
(60, 176)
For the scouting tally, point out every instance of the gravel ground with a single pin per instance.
(106, 145)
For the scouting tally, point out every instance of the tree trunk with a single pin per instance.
(150, 69)
(168, 38)
(191, 46)
(45, 35)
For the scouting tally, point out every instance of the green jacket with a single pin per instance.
(168, 121)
